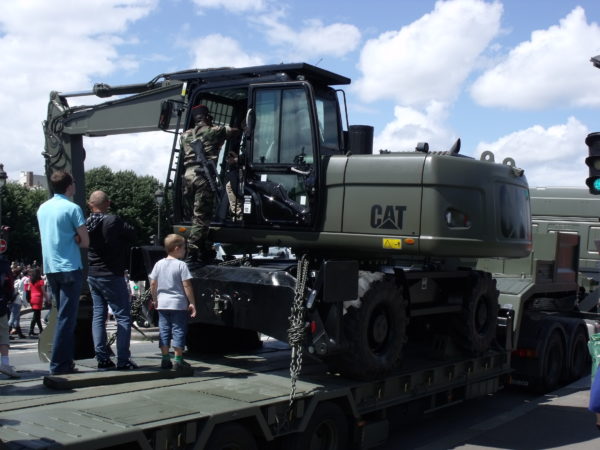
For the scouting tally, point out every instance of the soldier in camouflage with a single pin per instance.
(197, 192)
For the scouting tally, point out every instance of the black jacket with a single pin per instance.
(110, 238)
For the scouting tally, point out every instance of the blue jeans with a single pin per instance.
(172, 324)
(15, 316)
(111, 290)
(66, 288)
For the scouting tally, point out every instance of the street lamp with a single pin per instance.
(159, 196)
(3, 178)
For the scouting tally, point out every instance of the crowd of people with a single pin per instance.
(30, 290)
(23, 286)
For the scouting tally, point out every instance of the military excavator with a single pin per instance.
(378, 236)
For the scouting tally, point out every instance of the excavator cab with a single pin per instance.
(288, 126)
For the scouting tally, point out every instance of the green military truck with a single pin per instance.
(574, 211)
(552, 293)
(540, 293)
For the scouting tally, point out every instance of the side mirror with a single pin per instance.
(166, 112)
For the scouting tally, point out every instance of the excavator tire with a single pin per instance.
(375, 333)
(476, 324)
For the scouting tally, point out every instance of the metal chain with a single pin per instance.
(136, 305)
(296, 330)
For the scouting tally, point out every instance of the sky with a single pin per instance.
(512, 77)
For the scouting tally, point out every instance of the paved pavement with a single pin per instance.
(557, 420)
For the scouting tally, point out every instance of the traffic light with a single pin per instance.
(593, 162)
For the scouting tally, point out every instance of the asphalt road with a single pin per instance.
(509, 419)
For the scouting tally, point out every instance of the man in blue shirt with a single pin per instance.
(63, 233)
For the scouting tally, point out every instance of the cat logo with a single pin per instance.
(387, 217)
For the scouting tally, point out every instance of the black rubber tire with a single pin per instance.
(231, 436)
(579, 357)
(327, 430)
(552, 365)
(375, 333)
(476, 324)
(206, 338)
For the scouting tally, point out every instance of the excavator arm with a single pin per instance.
(65, 126)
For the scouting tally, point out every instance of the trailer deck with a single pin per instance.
(251, 389)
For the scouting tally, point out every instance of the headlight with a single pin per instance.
(457, 219)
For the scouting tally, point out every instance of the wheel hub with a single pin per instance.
(481, 316)
(380, 328)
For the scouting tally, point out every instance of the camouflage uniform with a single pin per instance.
(197, 194)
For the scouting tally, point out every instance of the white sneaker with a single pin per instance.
(9, 370)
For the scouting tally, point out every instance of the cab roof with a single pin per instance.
(228, 74)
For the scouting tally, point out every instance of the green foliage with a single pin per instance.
(19, 208)
(131, 196)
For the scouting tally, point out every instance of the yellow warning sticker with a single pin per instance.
(392, 244)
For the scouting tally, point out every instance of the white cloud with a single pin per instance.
(552, 156)
(42, 19)
(411, 126)
(430, 58)
(144, 153)
(312, 40)
(54, 46)
(216, 50)
(552, 68)
(236, 6)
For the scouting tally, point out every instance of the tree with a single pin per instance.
(19, 208)
(131, 196)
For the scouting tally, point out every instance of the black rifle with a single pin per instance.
(206, 167)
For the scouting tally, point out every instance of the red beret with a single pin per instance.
(200, 109)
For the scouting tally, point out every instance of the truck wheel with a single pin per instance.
(552, 365)
(326, 430)
(476, 325)
(231, 436)
(375, 333)
(579, 359)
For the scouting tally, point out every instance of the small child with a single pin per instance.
(173, 297)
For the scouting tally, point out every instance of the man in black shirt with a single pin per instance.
(110, 238)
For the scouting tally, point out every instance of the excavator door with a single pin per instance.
(281, 179)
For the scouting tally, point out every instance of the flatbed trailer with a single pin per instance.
(239, 399)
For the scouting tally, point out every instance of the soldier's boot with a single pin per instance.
(208, 255)
(193, 257)
(193, 253)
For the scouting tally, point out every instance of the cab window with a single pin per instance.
(283, 132)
